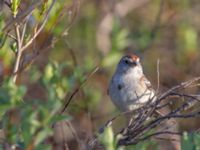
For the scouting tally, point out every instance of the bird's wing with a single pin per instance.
(146, 82)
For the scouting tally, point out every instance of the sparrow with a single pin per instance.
(129, 89)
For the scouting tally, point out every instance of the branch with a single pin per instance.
(41, 27)
(19, 53)
(148, 119)
(20, 38)
(124, 142)
(78, 88)
(20, 17)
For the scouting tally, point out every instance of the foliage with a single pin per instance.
(107, 139)
(57, 61)
(190, 141)
(34, 120)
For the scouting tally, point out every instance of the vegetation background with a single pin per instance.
(73, 57)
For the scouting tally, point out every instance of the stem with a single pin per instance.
(19, 53)
(19, 38)
(40, 29)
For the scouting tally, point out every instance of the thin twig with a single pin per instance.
(124, 142)
(45, 47)
(24, 30)
(19, 53)
(136, 131)
(11, 36)
(20, 17)
(158, 76)
(20, 38)
(41, 27)
(72, 54)
(78, 88)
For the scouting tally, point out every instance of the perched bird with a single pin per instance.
(129, 89)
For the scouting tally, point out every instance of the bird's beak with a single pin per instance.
(134, 63)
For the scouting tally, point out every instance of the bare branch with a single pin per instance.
(20, 36)
(158, 76)
(19, 53)
(124, 142)
(20, 17)
(40, 28)
(78, 88)
(148, 119)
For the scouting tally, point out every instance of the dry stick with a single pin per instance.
(24, 29)
(141, 118)
(7, 3)
(158, 76)
(72, 54)
(157, 121)
(167, 139)
(134, 135)
(20, 17)
(21, 48)
(180, 86)
(41, 27)
(55, 40)
(187, 95)
(11, 36)
(94, 140)
(176, 110)
(135, 131)
(195, 85)
(76, 6)
(178, 95)
(147, 137)
(150, 111)
(74, 133)
(19, 53)
(169, 92)
(78, 88)
(109, 122)
(173, 114)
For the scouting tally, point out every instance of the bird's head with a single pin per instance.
(130, 64)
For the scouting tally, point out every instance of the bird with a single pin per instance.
(129, 88)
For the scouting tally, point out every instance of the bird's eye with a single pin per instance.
(126, 61)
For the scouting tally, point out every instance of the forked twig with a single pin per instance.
(141, 125)
(20, 36)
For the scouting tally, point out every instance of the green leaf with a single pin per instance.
(107, 138)
(190, 141)
(13, 47)
(43, 135)
(14, 6)
(58, 118)
(2, 40)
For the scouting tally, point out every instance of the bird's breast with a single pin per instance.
(126, 92)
